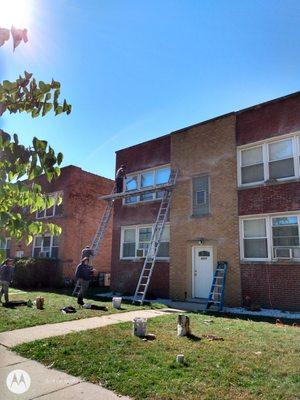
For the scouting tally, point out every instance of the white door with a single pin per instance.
(203, 270)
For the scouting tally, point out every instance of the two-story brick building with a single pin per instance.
(79, 216)
(237, 199)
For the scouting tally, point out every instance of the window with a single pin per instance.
(55, 210)
(139, 238)
(273, 159)
(270, 237)
(164, 246)
(5, 247)
(144, 180)
(128, 250)
(285, 231)
(252, 165)
(255, 239)
(281, 160)
(45, 247)
(201, 195)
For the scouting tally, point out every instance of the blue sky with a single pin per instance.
(135, 70)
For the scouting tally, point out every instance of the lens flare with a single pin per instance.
(15, 12)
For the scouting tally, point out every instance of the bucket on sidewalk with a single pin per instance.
(140, 327)
(116, 302)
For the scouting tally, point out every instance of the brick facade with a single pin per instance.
(272, 285)
(82, 212)
(125, 273)
(207, 148)
(210, 148)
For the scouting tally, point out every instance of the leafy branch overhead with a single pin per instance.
(21, 167)
(25, 94)
(17, 35)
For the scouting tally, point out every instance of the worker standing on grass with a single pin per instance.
(120, 176)
(6, 273)
(84, 274)
(87, 252)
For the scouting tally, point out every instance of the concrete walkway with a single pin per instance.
(18, 336)
(49, 384)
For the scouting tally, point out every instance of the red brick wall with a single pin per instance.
(271, 119)
(270, 198)
(145, 155)
(272, 285)
(82, 212)
(124, 274)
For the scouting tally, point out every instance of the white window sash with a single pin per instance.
(266, 158)
(42, 246)
(139, 178)
(55, 195)
(137, 228)
(269, 235)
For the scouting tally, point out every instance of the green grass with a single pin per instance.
(232, 369)
(22, 316)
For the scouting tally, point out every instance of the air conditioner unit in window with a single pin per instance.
(283, 253)
(141, 253)
(44, 254)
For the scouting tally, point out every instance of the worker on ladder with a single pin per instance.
(120, 176)
(87, 252)
(83, 274)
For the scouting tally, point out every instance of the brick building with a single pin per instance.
(78, 215)
(237, 199)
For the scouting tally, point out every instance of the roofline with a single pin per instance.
(203, 122)
(139, 144)
(278, 99)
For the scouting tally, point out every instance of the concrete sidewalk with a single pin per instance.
(18, 336)
(49, 384)
(46, 384)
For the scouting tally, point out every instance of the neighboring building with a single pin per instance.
(237, 199)
(79, 216)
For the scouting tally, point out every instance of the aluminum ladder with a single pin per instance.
(216, 294)
(150, 259)
(98, 238)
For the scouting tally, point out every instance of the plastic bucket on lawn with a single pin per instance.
(116, 302)
(140, 327)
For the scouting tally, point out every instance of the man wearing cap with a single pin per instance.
(84, 273)
(120, 176)
(87, 252)
(6, 273)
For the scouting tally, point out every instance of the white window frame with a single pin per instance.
(5, 248)
(268, 220)
(55, 195)
(139, 178)
(137, 228)
(295, 136)
(42, 247)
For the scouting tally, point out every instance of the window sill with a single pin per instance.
(141, 202)
(264, 184)
(201, 216)
(51, 217)
(138, 260)
(274, 262)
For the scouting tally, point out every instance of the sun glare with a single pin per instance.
(15, 12)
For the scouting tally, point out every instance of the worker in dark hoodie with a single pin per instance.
(84, 274)
(6, 274)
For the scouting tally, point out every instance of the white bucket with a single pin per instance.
(116, 302)
(140, 327)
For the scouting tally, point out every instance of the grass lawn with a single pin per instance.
(256, 360)
(22, 317)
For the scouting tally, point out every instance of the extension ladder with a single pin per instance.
(216, 294)
(96, 243)
(150, 259)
